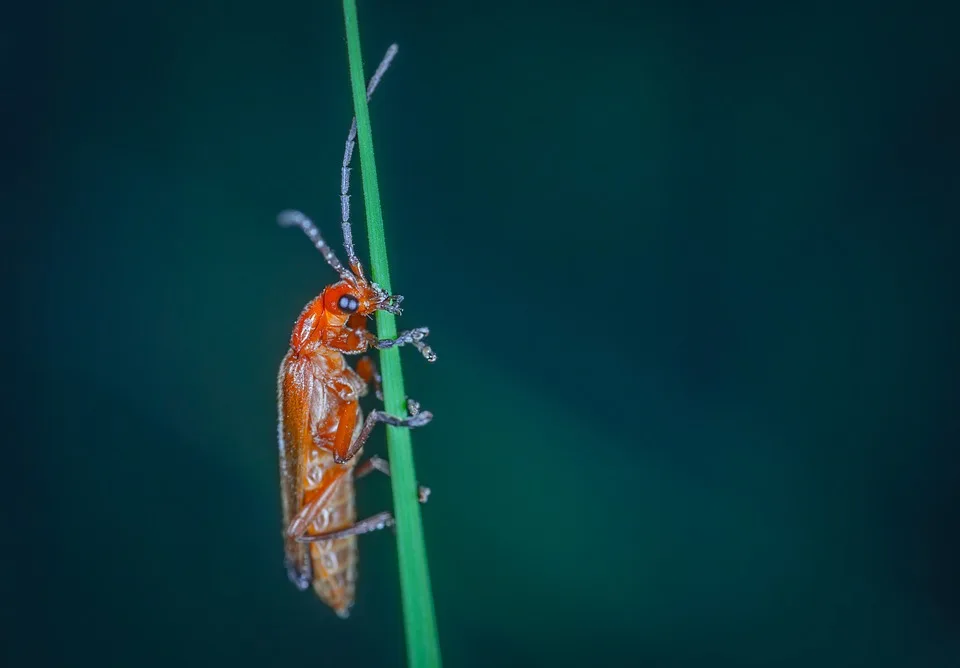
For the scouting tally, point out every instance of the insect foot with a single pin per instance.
(419, 420)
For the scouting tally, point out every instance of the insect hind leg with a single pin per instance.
(412, 337)
(373, 523)
(297, 560)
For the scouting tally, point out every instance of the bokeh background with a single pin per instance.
(690, 269)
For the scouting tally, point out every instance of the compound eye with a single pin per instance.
(348, 304)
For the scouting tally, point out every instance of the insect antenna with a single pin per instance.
(345, 170)
(292, 218)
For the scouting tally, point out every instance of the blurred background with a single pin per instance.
(687, 269)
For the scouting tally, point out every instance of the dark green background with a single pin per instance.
(689, 268)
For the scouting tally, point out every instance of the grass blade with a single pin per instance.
(423, 645)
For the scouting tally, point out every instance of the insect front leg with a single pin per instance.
(380, 464)
(353, 341)
(414, 337)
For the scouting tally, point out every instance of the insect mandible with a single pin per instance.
(321, 429)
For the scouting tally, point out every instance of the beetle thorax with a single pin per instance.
(314, 320)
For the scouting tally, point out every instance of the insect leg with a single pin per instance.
(378, 521)
(311, 507)
(374, 523)
(380, 464)
(418, 420)
(413, 337)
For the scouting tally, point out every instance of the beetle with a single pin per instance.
(321, 429)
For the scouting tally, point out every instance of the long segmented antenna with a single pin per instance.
(292, 218)
(352, 259)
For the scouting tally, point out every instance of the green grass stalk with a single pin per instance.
(420, 624)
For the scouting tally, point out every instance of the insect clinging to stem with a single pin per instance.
(321, 427)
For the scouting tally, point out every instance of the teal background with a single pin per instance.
(689, 268)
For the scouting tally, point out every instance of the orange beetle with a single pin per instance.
(321, 427)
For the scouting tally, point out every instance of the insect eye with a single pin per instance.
(348, 304)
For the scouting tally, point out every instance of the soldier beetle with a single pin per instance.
(321, 428)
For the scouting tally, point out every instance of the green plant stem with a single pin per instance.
(423, 645)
